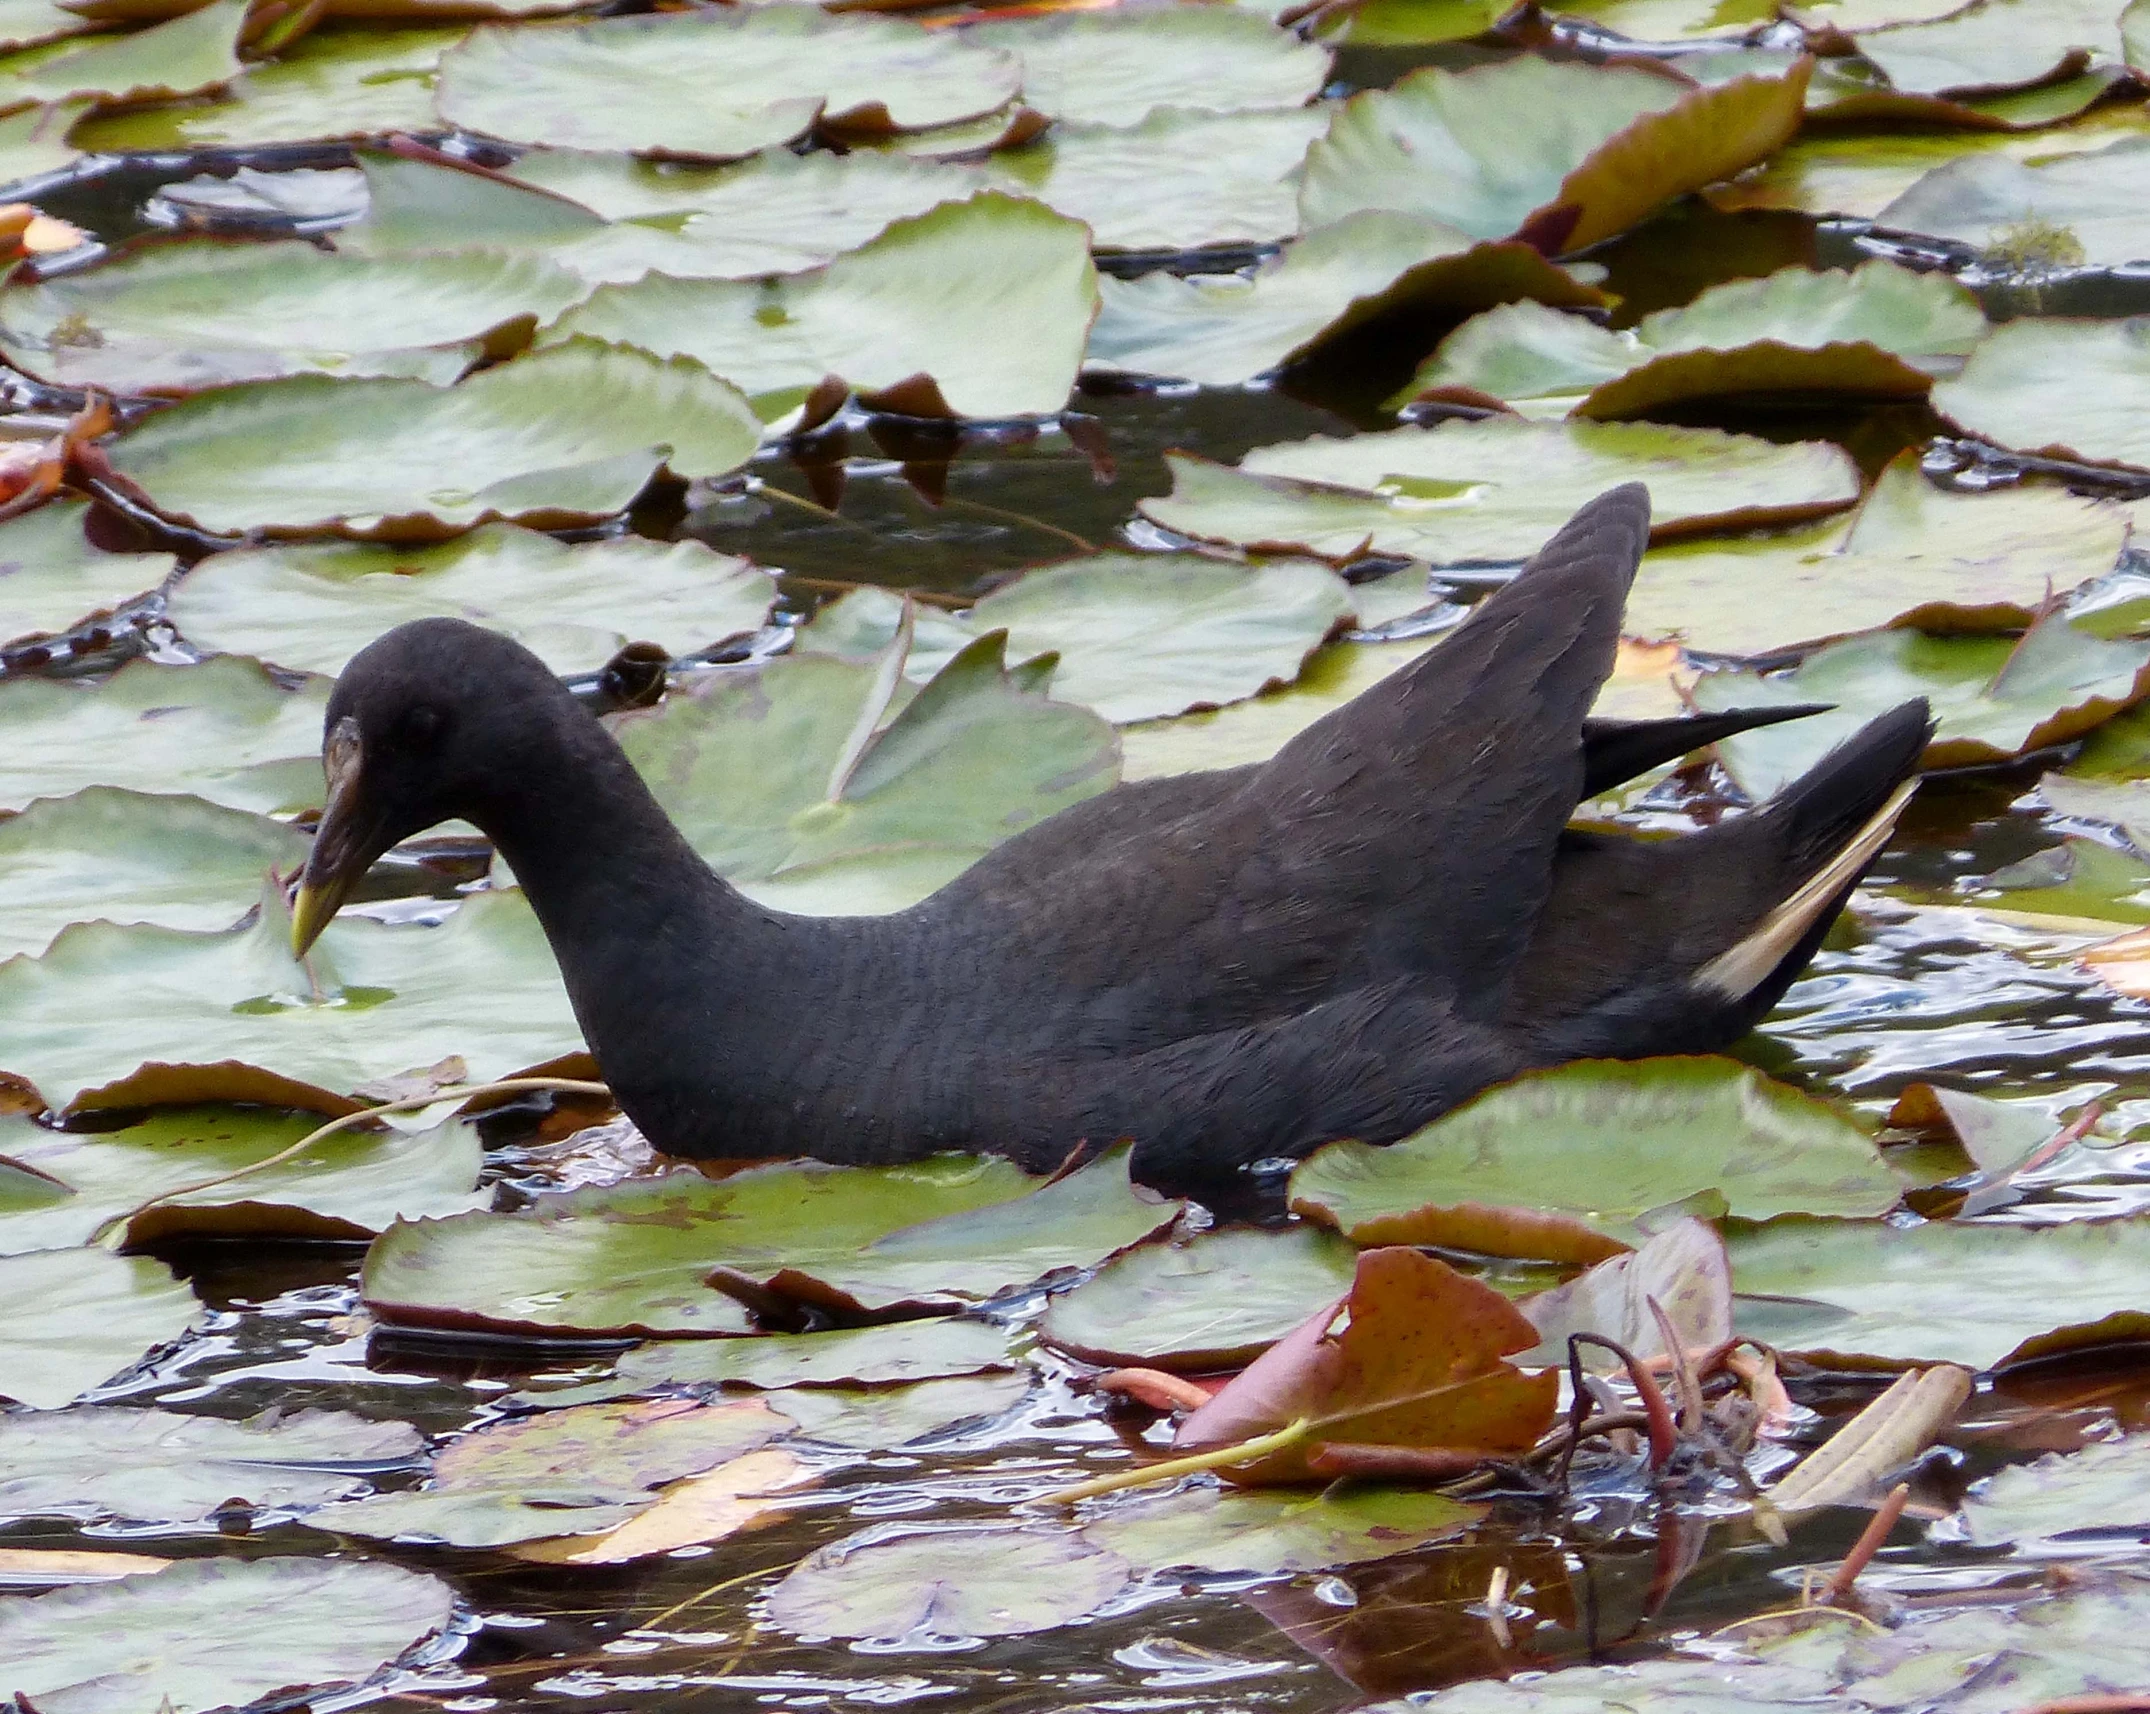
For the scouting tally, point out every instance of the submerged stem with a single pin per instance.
(1243, 1452)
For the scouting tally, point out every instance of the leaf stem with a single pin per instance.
(1241, 1452)
(110, 1233)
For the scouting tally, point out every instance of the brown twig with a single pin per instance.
(1838, 1590)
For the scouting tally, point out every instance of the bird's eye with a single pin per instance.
(420, 728)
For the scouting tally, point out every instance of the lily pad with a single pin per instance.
(233, 1016)
(102, 1462)
(225, 731)
(1492, 491)
(1547, 1143)
(1995, 45)
(2069, 389)
(1915, 556)
(179, 317)
(849, 1358)
(1138, 635)
(978, 309)
(945, 1583)
(1982, 1295)
(33, 142)
(1876, 331)
(53, 577)
(215, 1633)
(742, 1494)
(311, 607)
(1265, 1533)
(1223, 331)
(1177, 181)
(759, 771)
(564, 435)
(72, 1318)
(121, 856)
(1210, 1302)
(715, 85)
(1681, 1270)
(1559, 153)
(878, 1420)
(27, 23)
(1117, 67)
(1998, 206)
(347, 1186)
(2087, 1501)
(195, 52)
(1994, 697)
(638, 1257)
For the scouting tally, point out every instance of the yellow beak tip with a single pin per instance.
(308, 919)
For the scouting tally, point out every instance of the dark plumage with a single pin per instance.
(1344, 941)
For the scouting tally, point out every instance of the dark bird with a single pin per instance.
(1346, 940)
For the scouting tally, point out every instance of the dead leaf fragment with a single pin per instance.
(1850, 1467)
(1683, 1268)
(736, 1496)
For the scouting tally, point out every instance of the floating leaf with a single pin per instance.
(1411, 1357)
(233, 1016)
(1545, 1143)
(1210, 1302)
(28, 23)
(1915, 556)
(2068, 389)
(1855, 1464)
(564, 435)
(1557, 152)
(900, 1353)
(2088, 1500)
(1878, 331)
(1491, 491)
(33, 142)
(1682, 1269)
(1222, 331)
(1138, 635)
(225, 731)
(215, 1633)
(1994, 45)
(346, 1186)
(311, 606)
(72, 1318)
(945, 1583)
(1266, 1533)
(878, 1421)
(53, 577)
(99, 1462)
(1117, 67)
(740, 1495)
(1994, 697)
(195, 52)
(639, 1257)
(714, 85)
(978, 309)
(180, 317)
(2083, 204)
(1981, 1295)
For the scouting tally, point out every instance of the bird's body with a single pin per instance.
(1347, 940)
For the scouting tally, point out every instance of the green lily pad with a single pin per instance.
(2073, 210)
(564, 435)
(578, 1471)
(1560, 153)
(1547, 1142)
(1876, 331)
(53, 577)
(988, 300)
(128, 857)
(878, 1420)
(1673, 20)
(1994, 697)
(637, 1257)
(2069, 389)
(1981, 1295)
(225, 731)
(1138, 635)
(2088, 1499)
(1117, 67)
(312, 606)
(33, 142)
(331, 84)
(214, 1633)
(2125, 804)
(2080, 879)
(1177, 181)
(1915, 555)
(1995, 45)
(27, 23)
(1266, 1532)
(1223, 331)
(1210, 1302)
(347, 1186)
(233, 1016)
(102, 1462)
(963, 1582)
(714, 85)
(1491, 491)
(853, 1357)
(760, 771)
(180, 317)
(72, 1318)
(195, 52)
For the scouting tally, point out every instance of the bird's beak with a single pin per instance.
(343, 843)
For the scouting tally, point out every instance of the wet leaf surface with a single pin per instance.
(1231, 1530)
(946, 1583)
(53, 577)
(874, 1421)
(2086, 1502)
(2023, 389)
(74, 1318)
(897, 1354)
